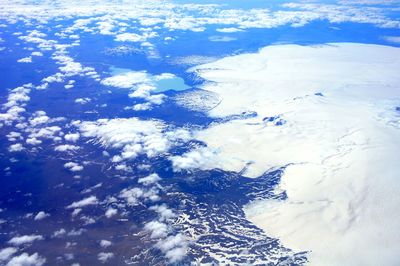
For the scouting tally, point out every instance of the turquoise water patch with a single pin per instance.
(173, 83)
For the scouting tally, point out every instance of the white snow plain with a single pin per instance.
(340, 141)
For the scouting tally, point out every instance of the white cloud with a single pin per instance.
(74, 213)
(105, 27)
(76, 232)
(134, 37)
(59, 233)
(38, 119)
(14, 136)
(87, 220)
(150, 21)
(131, 151)
(156, 99)
(163, 76)
(229, 30)
(103, 257)
(176, 254)
(42, 86)
(92, 200)
(369, 2)
(179, 135)
(16, 147)
(6, 253)
(164, 212)
(73, 137)
(18, 96)
(73, 167)
(16, 100)
(71, 68)
(221, 38)
(111, 212)
(11, 115)
(82, 100)
(90, 189)
(142, 91)
(156, 229)
(174, 16)
(49, 132)
(33, 141)
(25, 60)
(393, 39)
(123, 167)
(141, 107)
(129, 37)
(132, 195)
(202, 158)
(174, 247)
(37, 54)
(66, 147)
(58, 77)
(126, 80)
(27, 260)
(25, 239)
(335, 14)
(105, 243)
(149, 180)
(132, 136)
(41, 215)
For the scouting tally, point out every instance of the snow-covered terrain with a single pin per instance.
(330, 115)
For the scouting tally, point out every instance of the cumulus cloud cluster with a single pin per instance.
(41, 215)
(16, 100)
(133, 37)
(103, 257)
(92, 200)
(149, 180)
(128, 139)
(35, 128)
(25, 239)
(199, 158)
(132, 137)
(126, 80)
(174, 246)
(6, 253)
(141, 85)
(73, 167)
(31, 129)
(67, 66)
(194, 17)
(133, 196)
(27, 260)
(66, 147)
